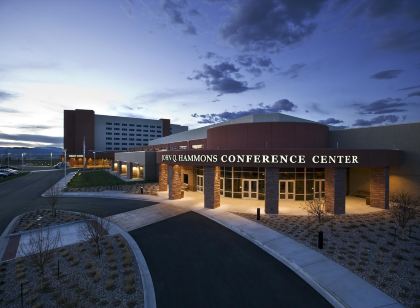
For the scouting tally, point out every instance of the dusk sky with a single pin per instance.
(344, 63)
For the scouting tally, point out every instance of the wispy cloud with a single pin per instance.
(383, 119)
(387, 74)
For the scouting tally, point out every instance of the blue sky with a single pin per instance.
(342, 62)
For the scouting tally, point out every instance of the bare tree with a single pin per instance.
(40, 247)
(52, 195)
(403, 209)
(94, 230)
(316, 208)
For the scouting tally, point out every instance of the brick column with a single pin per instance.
(379, 188)
(175, 182)
(129, 170)
(119, 168)
(335, 190)
(163, 177)
(211, 187)
(112, 165)
(271, 190)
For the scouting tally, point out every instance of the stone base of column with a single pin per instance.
(119, 168)
(335, 190)
(175, 182)
(129, 170)
(271, 191)
(211, 187)
(379, 188)
(163, 177)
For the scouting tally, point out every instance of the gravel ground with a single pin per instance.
(366, 244)
(44, 218)
(85, 280)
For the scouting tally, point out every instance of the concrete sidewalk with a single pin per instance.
(61, 184)
(337, 284)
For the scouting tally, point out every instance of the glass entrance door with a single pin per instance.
(287, 189)
(249, 189)
(319, 189)
(200, 183)
(222, 186)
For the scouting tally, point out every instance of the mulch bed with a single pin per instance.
(366, 244)
(84, 280)
(44, 218)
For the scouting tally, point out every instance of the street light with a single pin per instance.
(65, 162)
(94, 160)
(8, 160)
(51, 161)
(23, 154)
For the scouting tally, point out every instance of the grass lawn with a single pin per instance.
(13, 177)
(95, 178)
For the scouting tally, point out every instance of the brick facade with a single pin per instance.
(271, 190)
(163, 177)
(211, 187)
(175, 182)
(379, 187)
(335, 190)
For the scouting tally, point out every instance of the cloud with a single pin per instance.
(271, 24)
(416, 93)
(410, 88)
(174, 9)
(401, 40)
(255, 65)
(294, 70)
(34, 127)
(331, 121)
(315, 107)
(165, 94)
(4, 96)
(381, 8)
(387, 74)
(8, 110)
(221, 78)
(382, 106)
(31, 138)
(377, 120)
(278, 106)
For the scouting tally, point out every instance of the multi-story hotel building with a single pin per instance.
(85, 131)
(275, 157)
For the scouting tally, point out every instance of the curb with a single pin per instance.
(4, 236)
(294, 267)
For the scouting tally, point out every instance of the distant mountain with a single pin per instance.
(40, 151)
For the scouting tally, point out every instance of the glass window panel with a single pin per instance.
(300, 187)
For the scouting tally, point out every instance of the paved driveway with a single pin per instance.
(24, 194)
(195, 262)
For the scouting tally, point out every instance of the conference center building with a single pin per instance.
(277, 158)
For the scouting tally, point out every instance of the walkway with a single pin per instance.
(195, 262)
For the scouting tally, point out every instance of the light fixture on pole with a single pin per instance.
(51, 161)
(65, 162)
(22, 159)
(8, 160)
(94, 160)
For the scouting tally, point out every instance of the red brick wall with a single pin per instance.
(335, 190)
(175, 182)
(379, 188)
(271, 190)
(163, 177)
(211, 187)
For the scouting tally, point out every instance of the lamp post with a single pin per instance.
(51, 160)
(94, 160)
(23, 154)
(8, 160)
(65, 162)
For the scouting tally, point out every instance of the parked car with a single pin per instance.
(3, 174)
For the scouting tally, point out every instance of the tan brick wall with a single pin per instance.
(271, 190)
(335, 190)
(211, 187)
(175, 182)
(163, 177)
(379, 188)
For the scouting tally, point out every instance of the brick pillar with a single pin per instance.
(129, 170)
(119, 168)
(163, 177)
(379, 188)
(211, 187)
(335, 190)
(112, 165)
(175, 182)
(271, 190)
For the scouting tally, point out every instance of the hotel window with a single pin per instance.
(124, 129)
(108, 138)
(116, 123)
(131, 124)
(123, 138)
(131, 139)
(108, 123)
(124, 124)
(138, 134)
(109, 143)
(159, 131)
(182, 147)
(138, 125)
(109, 128)
(124, 143)
(124, 149)
(131, 129)
(109, 133)
(116, 128)
(116, 138)
(146, 130)
(152, 136)
(152, 126)
(145, 125)
(108, 149)
(152, 131)
(138, 143)
(124, 134)
(117, 134)
(139, 130)
(197, 146)
(131, 143)
(116, 143)
(131, 134)
(117, 149)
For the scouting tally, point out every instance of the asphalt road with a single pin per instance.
(24, 194)
(195, 262)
